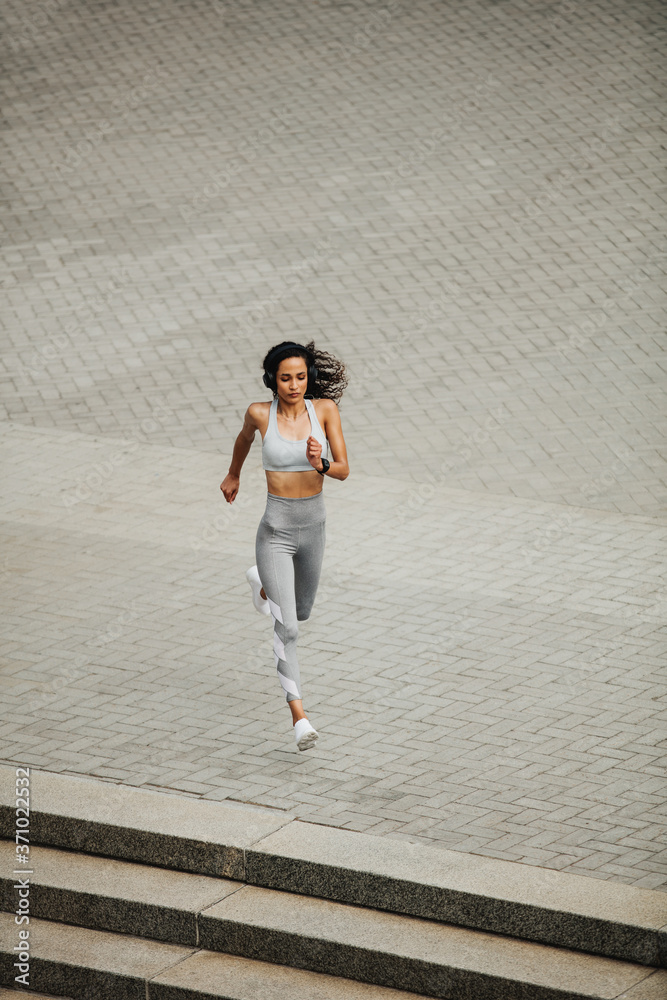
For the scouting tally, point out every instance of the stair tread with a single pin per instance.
(117, 809)
(123, 954)
(251, 979)
(202, 972)
(128, 880)
(13, 994)
(146, 809)
(273, 849)
(138, 823)
(264, 919)
(654, 987)
(466, 873)
(417, 940)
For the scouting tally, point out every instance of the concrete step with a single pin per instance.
(14, 994)
(273, 849)
(113, 895)
(85, 964)
(291, 929)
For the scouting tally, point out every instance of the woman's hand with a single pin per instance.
(314, 452)
(230, 486)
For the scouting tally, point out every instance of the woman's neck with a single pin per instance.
(284, 413)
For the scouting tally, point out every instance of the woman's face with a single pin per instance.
(292, 379)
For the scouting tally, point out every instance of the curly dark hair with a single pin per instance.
(331, 377)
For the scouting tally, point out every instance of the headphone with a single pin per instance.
(269, 377)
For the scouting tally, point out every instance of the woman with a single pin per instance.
(290, 538)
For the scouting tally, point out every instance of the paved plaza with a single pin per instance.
(461, 201)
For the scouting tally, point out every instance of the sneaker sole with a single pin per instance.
(307, 741)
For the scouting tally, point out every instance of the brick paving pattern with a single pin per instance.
(464, 204)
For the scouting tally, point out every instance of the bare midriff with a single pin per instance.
(294, 484)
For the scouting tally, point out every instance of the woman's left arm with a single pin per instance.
(338, 469)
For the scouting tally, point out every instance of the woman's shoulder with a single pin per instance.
(259, 412)
(325, 405)
(326, 411)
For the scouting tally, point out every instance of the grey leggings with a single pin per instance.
(288, 550)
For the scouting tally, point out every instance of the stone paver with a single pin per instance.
(462, 203)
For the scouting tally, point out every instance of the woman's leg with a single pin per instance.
(308, 566)
(274, 549)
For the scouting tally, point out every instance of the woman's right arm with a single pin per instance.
(242, 445)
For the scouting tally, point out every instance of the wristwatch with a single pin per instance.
(325, 467)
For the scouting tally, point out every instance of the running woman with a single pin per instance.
(291, 535)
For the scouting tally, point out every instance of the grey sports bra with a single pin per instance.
(279, 454)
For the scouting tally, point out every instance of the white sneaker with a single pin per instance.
(304, 734)
(262, 605)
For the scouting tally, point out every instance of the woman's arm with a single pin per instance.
(338, 469)
(242, 445)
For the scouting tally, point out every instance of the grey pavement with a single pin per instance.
(464, 203)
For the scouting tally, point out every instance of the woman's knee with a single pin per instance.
(290, 630)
